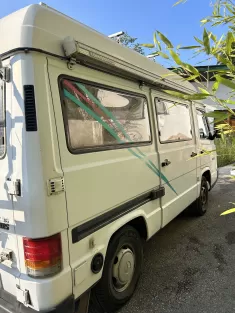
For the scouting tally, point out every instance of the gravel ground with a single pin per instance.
(190, 264)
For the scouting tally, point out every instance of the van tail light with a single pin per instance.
(43, 257)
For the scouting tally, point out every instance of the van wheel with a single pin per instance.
(202, 202)
(121, 271)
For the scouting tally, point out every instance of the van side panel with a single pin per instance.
(99, 182)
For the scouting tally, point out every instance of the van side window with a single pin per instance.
(202, 125)
(2, 121)
(96, 117)
(174, 123)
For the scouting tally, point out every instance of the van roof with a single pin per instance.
(41, 27)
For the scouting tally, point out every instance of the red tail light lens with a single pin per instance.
(43, 257)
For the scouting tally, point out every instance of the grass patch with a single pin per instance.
(225, 151)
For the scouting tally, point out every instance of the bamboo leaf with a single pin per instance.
(226, 82)
(196, 96)
(225, 61)
(229, 41)
(156, 41)
(229, 8)
(155, 38)
(219, 41)
(230, 101)
(221, 126)
(215, 86)
(228, 212)
(175, 57)
(164, 55)
(147, 45)
(229, 131)
(206, 41)
(165, 40)
(159, 53)
(198, 40)
(204, 91)
(213, 37)
(218, 117)
(193, 77)
(178, 2)
(190, 47)
(175, 93)
(204, 21)
(191, 68)
(217, 114)
(154, 54)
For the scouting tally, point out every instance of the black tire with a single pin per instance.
(106, 295)
(201, 205)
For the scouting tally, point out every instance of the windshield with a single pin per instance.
(2, 120)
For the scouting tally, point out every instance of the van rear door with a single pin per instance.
(8, 243)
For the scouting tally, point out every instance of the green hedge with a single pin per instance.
(225, 151)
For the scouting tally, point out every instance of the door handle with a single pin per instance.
(166, 163)
(193, 154)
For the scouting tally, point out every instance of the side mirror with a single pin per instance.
(216, 135)
(201, 133)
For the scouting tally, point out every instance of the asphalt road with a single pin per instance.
(190, 264)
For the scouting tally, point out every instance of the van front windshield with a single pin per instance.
(2, 120)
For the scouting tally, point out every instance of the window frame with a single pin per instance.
(104, 147)
(206, 120)
(190, 117)
(2, 156)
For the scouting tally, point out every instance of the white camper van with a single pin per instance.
(95, 158)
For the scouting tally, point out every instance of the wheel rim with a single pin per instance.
(203, 196)
(123, 269)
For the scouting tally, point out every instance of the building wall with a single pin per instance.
(223, 92)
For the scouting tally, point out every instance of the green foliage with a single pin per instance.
(196, 96)
(225, 151)
(131, 42)
(219, 116)
(206, 42)
(221, 49)
(165, 40)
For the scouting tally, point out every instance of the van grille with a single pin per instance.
(30, 109)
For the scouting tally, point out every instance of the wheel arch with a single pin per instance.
(138, 222)
(207, 174)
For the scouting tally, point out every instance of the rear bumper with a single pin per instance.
(9, 304)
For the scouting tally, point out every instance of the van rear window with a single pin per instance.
(96, 117)
(2, 120)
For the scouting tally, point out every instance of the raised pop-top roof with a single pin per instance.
(41, 27)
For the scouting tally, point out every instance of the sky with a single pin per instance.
(139, 18)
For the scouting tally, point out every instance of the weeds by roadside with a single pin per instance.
(225, 151)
